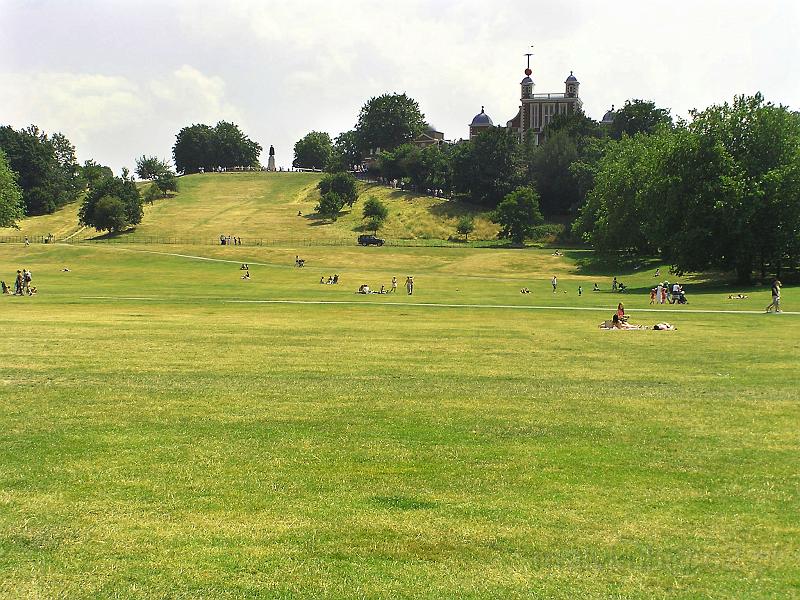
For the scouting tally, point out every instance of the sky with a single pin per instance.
(121, 78)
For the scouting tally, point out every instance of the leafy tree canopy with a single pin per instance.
(91, 172)
(489, 167)
(518, 214)
(330, 204)
(12, 208)
(47, 169)
(205, 147)
(345, 153)
(151, 167)
(343, 184)
(375, 212)
(122, 189)
(313, 151)
(465, 226)
(389, 121)
(639, 116)
(110, 215)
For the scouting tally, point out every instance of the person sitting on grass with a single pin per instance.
(6, 289)
(621, 312)
(246, 275)
(596, 288)
(664, 327)
(617, 323)
(524, 291)
(32, 290)
(336, 279)
(739, 296)
(363, 289)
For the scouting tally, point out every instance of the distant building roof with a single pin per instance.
(526, 81)
(571, 78)
(481, 120)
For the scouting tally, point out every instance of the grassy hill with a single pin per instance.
(266, 206)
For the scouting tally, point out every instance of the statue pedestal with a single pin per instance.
(271, 164)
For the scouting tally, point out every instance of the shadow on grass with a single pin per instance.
(588, 262)
(113, 235)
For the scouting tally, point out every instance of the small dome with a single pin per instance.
(609, 116)
(571, 78)
(526, 81)
(481, 119)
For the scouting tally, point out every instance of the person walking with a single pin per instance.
(410, 285)
(394, 284)
(776, 297)
(554, 283)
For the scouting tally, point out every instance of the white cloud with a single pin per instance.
(111, 118)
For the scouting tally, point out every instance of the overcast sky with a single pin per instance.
(121, 78)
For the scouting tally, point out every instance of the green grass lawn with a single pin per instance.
(162, 438)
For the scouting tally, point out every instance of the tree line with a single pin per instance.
(721, 191)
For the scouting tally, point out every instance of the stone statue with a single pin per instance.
(271, 163)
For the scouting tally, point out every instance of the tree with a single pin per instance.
(92, 172)
(551, 171)
(46, 168)
(110, 215)
(330, 204)
(465, 226)
(739, 166)
(205, 147)
(518, 214)
(375, 212)
(343, 184)
(313, 151)
(720, 193)
(152, 193)
(121, 189)
(489, 167)
(151, 167)
(388, 121)
(166, 182)
(12, 208)
(345, 153)
(639, 116)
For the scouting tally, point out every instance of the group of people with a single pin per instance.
(665, 293)
(246, 268)
(229, 240)
(299, 262)
(22, 284)
(332, 279)
(365, 289)
(776, 297)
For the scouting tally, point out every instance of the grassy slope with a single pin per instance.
(185, 447)
(265, 205)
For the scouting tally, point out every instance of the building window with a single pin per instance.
(549, 111)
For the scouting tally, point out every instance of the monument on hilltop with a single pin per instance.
(271, 162)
